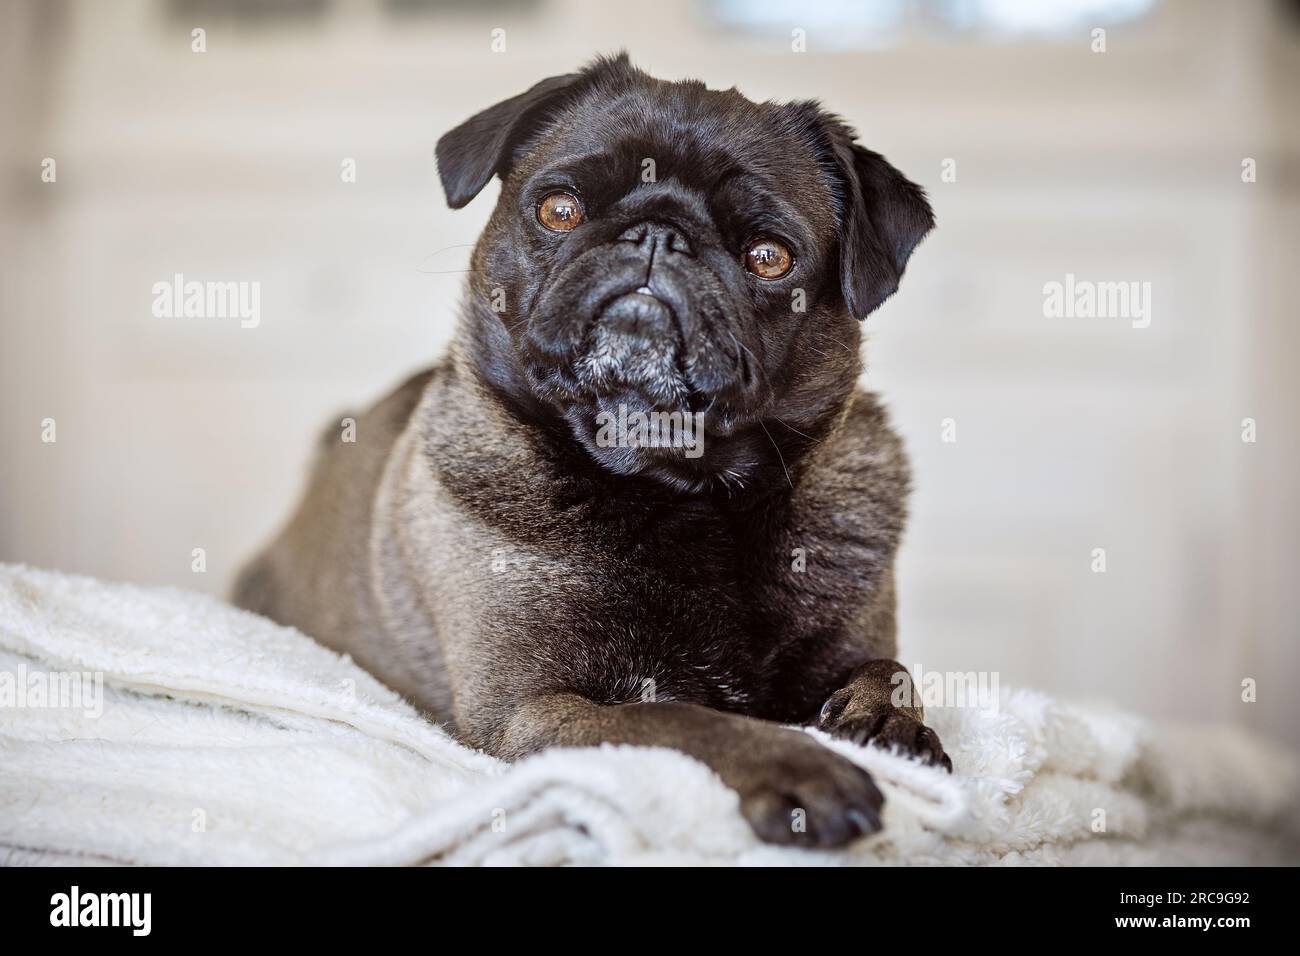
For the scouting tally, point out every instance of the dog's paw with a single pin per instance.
(884, 726)
(802, 794)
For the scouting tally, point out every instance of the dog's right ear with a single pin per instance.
(484, 144)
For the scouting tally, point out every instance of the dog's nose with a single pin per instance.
(638, 314)
(657, 238)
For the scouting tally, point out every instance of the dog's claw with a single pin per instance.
(885, 728)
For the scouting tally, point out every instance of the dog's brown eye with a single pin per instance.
(768, 259)
(560, 212)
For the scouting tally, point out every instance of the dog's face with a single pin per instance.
(678, 253)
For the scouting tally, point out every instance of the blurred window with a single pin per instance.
(852, 23)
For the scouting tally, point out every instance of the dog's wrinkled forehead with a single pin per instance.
(715, 142)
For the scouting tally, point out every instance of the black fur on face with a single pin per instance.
(647, 305)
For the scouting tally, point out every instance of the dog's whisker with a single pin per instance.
(796, 431)
(780, 456)
(836, 341)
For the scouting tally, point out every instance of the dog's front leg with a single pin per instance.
(775, 771)
(879, 704)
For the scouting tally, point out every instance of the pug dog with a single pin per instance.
(507, 544)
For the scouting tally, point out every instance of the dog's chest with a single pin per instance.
(699, 605)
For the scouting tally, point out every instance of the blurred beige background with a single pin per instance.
(1072, 434)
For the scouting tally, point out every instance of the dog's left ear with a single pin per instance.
(883, 216)
(484, 144)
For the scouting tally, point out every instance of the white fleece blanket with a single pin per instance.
(221, 738)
